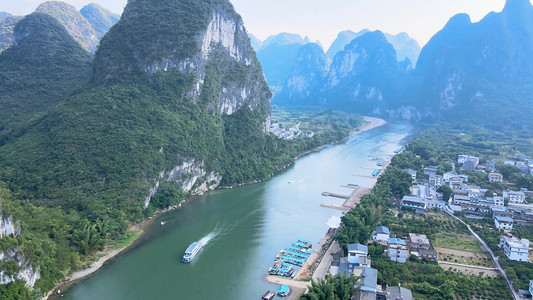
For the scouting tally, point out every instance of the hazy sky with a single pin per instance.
(323, 19)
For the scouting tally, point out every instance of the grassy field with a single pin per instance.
(311, 118)
(456, 241)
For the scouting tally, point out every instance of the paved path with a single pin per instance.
(323, 267)
(516, 296)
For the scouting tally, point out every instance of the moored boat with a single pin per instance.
(268, 296)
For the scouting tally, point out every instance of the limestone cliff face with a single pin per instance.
(7, 37)
(362, 74)
(24, 271)
(218, 40)
(191, 176)
(202, 43)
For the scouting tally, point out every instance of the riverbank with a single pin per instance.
(110, 254)
(371, 123)
(107, 254)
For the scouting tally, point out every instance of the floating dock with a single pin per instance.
(289, 260)
(399, 150)
(328, 194)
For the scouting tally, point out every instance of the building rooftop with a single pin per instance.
(499, 208)
(357, 247)
(419, 238)
(382, 229)
(413, 199)
(398, 292)
(426, 252)
(369, 278)
(504, 219)
(396, 241)
(516, 243)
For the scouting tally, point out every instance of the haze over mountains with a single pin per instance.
(278, 55)
(470, 69)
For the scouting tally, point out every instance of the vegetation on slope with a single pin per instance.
(45, 66)
(78, 27)
(101, 19)
(78, 174)
(7, 25)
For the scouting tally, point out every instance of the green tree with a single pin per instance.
(332, 288)
(446, 192)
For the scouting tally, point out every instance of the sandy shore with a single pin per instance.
(109, 254)
(371, 123)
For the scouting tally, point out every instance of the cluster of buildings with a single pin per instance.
(358, 262)
(523, 162)
(474, 201)
(398, 250)
(291, 133)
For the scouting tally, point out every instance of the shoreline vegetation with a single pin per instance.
(139, 229)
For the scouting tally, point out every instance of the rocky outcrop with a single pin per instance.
(22, 269)
(8, 227)
(222, 43)
(191, 176)
(7, 37)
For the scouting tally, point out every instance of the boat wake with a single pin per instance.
(218, 232)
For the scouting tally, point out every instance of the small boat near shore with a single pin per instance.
(268, 296)
(191, 252)
(376, 173)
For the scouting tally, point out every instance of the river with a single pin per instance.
(244, 228)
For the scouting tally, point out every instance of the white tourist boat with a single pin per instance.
(191, 252)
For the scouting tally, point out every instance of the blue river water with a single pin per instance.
(244, 228)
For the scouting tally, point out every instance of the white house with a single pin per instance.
(495, 177)
(448, 175)
(515, 197)
(514, 248)
(381, 234)
(355, 252)
(398, 250)
(503, 223)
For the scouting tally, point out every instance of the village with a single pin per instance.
(441, 197)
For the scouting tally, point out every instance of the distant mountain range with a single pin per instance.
(278, 55)
(405, 46)
(481, 71)
(87, 26)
